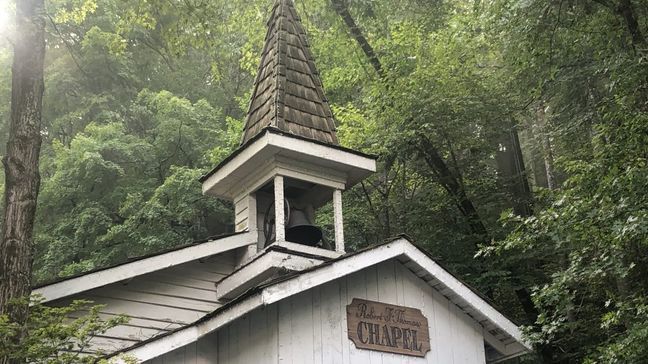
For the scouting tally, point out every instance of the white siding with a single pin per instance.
(159, 302)
(241, 212)
(310, 327)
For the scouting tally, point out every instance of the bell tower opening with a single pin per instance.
(300, 200)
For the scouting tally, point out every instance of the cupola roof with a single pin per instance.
(288, 93)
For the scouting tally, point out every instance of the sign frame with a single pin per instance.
(388, 328)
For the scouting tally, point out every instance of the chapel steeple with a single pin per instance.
(288, 166)
(288, 93)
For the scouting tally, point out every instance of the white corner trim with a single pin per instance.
(328, 273)
(147, 265)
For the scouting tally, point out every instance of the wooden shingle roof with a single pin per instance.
(288, 93)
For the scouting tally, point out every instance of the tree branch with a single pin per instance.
(342, 9)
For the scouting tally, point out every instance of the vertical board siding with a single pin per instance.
(317, 326)
(284, 322)
(302, 336)
(310, 327)
(207, 350)
(332, 330)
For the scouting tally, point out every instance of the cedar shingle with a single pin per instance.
(287, 92)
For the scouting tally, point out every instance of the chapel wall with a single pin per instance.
(311, 327)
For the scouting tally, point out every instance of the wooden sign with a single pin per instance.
(390, 328)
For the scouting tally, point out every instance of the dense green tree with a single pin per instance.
(55, 335)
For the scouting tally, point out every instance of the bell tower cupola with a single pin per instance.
(289, 162)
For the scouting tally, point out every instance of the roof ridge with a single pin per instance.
(280, 66)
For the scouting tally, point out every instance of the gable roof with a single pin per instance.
(288, 93)
(499, 331)
(147, 264)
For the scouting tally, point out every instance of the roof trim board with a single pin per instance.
(276, 131)
(149, 264)
(327, 272)
(268, 152)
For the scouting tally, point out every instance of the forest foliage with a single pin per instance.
(512, 138)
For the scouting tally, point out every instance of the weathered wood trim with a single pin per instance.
(279, 165)
(329, 273)
(301, 248)
(465, 294)
(254, 180)
(148, 265)
(507, 350)
(259, 270)
(313, 173)
(309, 176)
(322, 152)
(232, 165)
(252, 212)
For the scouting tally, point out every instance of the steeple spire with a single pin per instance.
(288, 93)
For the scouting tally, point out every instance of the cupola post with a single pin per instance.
(337, 221)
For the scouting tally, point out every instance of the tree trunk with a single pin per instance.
(510, 164)
(536, 155)
(22, 178)
(543, 134)
(626, 11)
(450, 183)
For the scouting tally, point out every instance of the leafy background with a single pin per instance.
(537, 110)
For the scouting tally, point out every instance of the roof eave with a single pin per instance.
(99, 278)
(259, 158)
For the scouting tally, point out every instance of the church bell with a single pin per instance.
(301, 230)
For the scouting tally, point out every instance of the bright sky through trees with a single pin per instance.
(6, 12)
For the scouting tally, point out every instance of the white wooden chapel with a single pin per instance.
(276, 290)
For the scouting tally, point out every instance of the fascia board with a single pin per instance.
(322, 152)
(463, 291)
